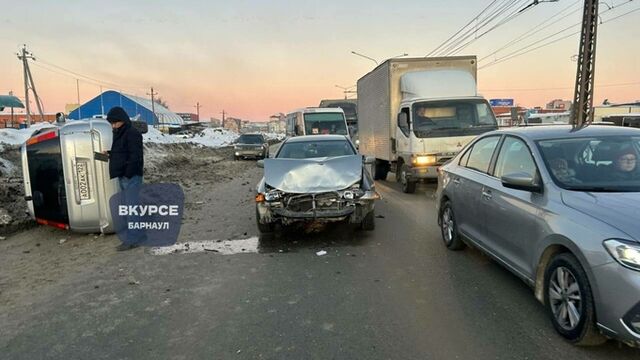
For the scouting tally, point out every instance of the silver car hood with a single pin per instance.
(620, 210)
(305, 176)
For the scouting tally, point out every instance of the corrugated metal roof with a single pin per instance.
(164, 115)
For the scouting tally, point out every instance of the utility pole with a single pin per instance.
(153, 105)
(24, 56)
(197, 106)
(347, 90)
(78, 98)
(223, 114)
(582, 111)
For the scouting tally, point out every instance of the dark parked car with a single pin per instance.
(251, 145)
(559, 208)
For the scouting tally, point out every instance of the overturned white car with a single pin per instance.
(315, 179)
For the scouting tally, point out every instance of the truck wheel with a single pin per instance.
(369, 221)
(263, 228)
(569, 301)
(381, 170)
(408, 187)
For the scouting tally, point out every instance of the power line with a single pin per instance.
(532, 31)
(523, 50)
(562, 88)
(514, 14)
(461, 29)
(480, 23)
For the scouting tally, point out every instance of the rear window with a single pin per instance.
(315, 149)
(250, 139)
(47, 181)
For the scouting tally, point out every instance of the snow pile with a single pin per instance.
(154, 135)
(275, 136)
(215, 137)
(19, 136)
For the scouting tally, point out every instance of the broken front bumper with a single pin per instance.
(324, 207)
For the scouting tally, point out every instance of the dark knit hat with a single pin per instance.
(117, 114)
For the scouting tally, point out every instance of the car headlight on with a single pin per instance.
(357, 141)
(425, 160)
(627, 253)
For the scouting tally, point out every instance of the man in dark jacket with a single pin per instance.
(126, 163)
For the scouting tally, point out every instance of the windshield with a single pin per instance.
(452, 118)
(315, 149)
(325, 123)
(250, 139)
(593, 164)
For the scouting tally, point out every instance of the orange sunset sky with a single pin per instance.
(256, 58)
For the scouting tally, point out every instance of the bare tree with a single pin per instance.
(161, 101)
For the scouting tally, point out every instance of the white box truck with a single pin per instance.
(414, 114)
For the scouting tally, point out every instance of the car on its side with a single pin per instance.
(558, 207)
(315, 179)
(251, 145)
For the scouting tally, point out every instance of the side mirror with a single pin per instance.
(260, 163)
(521, 181)
(403, 120)
(369, 160)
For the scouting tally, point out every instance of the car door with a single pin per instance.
(467, 183)
(513, 217)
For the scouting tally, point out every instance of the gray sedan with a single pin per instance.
(560, 209)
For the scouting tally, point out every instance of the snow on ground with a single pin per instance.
(19, 136)
(210, 137)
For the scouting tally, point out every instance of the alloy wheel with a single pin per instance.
(448, 225)
(565, 298)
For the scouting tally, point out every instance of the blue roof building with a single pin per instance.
(135, 106)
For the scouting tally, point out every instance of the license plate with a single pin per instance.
(83, 180)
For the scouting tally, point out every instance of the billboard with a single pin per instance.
(501, 102)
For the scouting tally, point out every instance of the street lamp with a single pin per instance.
(366, 57)
(346, 90)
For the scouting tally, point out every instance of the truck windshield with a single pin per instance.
(452, 118)
(325, 123)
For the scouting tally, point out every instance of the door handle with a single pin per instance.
(486, 194)
(456, 181)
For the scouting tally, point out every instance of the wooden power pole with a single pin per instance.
(24, 56)
(582, 110)
(153, 105)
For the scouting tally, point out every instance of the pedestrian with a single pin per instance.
(126, 162)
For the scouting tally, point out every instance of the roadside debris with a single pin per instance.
(62, 241)
(321, 253)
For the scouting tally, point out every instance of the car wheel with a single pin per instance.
(369, 221)
(569, 301)
(408, 187)
(263, 228)
(449, 228)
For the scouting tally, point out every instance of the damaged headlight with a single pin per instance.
(352, 193)
(273, 195)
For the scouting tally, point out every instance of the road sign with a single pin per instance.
(501, 102)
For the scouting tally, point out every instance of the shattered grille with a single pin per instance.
(323, 201)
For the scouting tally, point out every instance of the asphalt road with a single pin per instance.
(394, 293)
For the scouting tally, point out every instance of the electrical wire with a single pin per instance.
(527, 49)
(560, 88)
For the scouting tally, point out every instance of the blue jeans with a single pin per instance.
(131, 187)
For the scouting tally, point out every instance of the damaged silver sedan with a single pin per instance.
(315, 180)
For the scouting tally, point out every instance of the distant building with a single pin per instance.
(254, 126)
(136, 107)
(189, 116)
(215, 122)
(559, 104)
(277, 123)
(232, 124)
(7, 121)
(603, 111)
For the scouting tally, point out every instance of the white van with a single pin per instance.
(317, 121)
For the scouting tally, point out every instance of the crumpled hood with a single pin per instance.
(313, 175)
(620, 210)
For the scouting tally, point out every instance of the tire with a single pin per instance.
(369, 222)
(567, 287)
(263, 228)
(381, 170)
(408, 187)
(449, 228)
